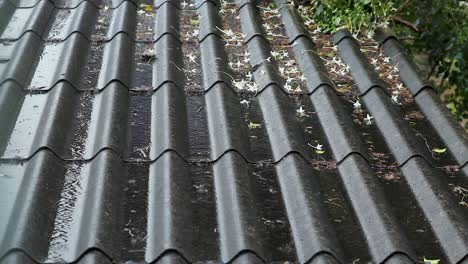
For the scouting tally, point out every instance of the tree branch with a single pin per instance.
(405, 22)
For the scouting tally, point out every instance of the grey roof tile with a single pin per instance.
(32, 19)
(426, 98)
(127, 136)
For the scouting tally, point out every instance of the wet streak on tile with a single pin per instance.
(61, 61)
(79, 20)
(197, 127)
(35, 202)
(71, 197)
(58, 22)
(23, 133)
(135, 206)
(93, 66)
(139, 134)
(101, 26)
(10, 183)
(80, 125)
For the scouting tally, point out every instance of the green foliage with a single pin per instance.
(356, 15)
(436, 28)
(443, 34)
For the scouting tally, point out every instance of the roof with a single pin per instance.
(174, 132)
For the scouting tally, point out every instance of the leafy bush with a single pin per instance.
(436, 28)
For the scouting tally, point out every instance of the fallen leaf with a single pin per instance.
(342, 90)
(147, 8)
(254, 125)
(439, 150)
(431, 261)
(194, 22)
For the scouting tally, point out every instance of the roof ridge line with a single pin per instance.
(189, 161)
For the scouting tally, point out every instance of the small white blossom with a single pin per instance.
(249, 75)
(368, 119)
(357, 104)
(191, 57)
(281, 70)
(395, 99)
(275, 54)
(228, 32)
(301, 111)
(253, 87)
(319, 147)
(239, 84)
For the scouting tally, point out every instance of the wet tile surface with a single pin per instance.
(219, 132)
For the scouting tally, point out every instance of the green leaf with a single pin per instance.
(431, 261)
(254, 125)
(147, 8)
(439, 150)
(195, 22)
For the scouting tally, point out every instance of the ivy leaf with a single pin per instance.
(439, 150)
(431, 261)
